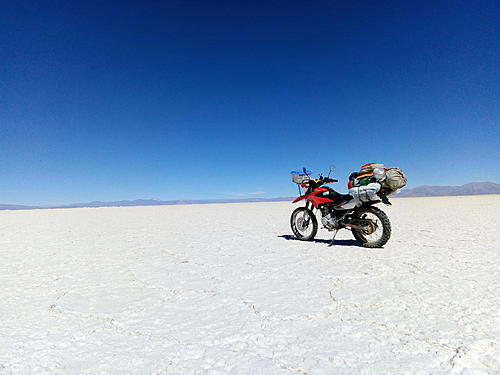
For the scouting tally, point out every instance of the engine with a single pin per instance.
(329, 222)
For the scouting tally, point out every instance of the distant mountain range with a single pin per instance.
(16, 207)
(146, 202)
(156, 202)
(473, 188)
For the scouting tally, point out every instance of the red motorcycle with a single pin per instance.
(369, 225)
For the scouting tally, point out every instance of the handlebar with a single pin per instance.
(317, 183)
(326, 180)
(329, 180)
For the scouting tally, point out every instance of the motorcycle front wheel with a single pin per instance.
(304, 224)
(377, 232)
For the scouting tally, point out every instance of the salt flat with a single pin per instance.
(223, 289)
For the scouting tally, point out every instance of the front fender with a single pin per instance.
(299, 199)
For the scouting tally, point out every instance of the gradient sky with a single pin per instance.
(178, 100)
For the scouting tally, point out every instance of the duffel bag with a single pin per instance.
(370, 167)
(395, 179)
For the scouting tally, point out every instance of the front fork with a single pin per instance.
(304, 220)
(309, 211)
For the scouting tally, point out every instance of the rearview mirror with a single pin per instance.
(332, 168)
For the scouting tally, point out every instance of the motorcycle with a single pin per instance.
(370, 225)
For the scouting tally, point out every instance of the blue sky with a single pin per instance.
(179, 100)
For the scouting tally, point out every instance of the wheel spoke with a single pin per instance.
(376, 230)
(303, 224)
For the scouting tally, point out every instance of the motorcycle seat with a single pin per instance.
(345, 197)
(337, 197)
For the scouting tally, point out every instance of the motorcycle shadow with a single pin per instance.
(320, 240)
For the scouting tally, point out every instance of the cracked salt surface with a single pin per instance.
(222, 289)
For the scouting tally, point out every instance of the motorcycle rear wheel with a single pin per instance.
(380, 233)
(304, 224)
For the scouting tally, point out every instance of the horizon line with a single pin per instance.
(161, 202)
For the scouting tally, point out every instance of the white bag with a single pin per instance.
(366, 193)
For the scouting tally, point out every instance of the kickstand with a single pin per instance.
(332, 242)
